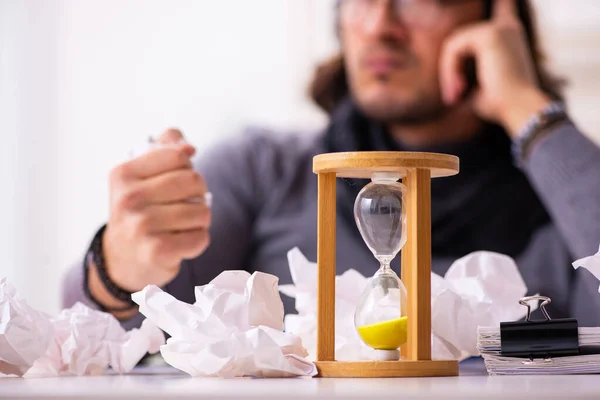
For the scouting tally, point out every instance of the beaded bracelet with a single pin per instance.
(535, 126)
(96, 254)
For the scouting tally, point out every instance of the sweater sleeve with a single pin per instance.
(564, 167)
(231, 172)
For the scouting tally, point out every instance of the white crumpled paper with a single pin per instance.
(79, 341)
(235, 328)
(25, 333)
(86, 342)
(591, 263)
(348, 288)
(482, 288)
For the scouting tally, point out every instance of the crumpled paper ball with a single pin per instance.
(348, 289)
(482, 288)
(25, 333)
(591, 263)
(79, 341)
(234, 329)
(87, 342)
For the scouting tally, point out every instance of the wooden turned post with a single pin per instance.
(416, 264)
(326, 267)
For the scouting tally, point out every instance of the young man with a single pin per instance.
(454, 76)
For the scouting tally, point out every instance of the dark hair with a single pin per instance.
(329, 85)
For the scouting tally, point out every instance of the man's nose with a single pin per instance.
(384, 20)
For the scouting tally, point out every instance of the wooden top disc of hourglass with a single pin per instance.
(362, 164)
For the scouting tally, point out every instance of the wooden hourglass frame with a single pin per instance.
(416, 171)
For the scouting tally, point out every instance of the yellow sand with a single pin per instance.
(387, 335)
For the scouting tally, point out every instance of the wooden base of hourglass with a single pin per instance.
(416, 171)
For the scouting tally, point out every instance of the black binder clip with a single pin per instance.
(542, 339)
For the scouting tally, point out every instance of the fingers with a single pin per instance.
(156, 162)
(455, 51)
(171, 218)
(180, 245)
(172, 187)
(192, 243)
(169, 152)
(171, 136)
(505, 10)
(478, 41)
(153, 223)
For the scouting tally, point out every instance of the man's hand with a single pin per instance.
(507, 91)
(152, 227)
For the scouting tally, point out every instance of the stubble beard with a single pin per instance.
(390, 110)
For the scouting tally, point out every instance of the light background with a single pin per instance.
(82, 82)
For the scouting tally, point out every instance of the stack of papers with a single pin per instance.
(588, 362)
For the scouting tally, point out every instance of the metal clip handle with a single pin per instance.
(545, 300)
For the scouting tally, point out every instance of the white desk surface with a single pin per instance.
(162, 383)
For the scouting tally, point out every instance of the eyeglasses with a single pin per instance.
(413, 13)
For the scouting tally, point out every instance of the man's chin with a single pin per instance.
(388, 108)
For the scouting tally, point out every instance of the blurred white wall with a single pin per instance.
(571, 37)
(28, 149)
(81, 82)
(9, 125)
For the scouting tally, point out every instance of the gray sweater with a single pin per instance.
(265, 203)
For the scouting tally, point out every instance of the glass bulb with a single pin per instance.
(380, 213)
(380, 316)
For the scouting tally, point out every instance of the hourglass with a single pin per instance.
(393, 316)
(380, 316)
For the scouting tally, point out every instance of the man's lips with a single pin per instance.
(382, 64)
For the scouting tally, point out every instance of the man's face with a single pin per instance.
(392, 51)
